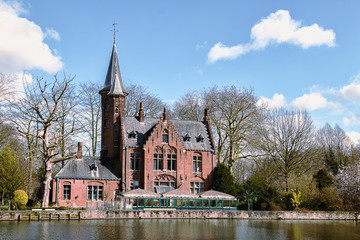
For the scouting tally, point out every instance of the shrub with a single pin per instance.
(328, 199)
(291, 200)
(258, 192)
(20, 198)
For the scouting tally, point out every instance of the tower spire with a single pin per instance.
(113, 81)
(114, 30)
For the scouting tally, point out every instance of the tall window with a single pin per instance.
(95, 192)
(116, 143)
(135, 161)
(66, 192)
(196, 187)
(158, 161)
(106, 123)
(171, 162)
(165, 138)
(197, 163)
(106, 106)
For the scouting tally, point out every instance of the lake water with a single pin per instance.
(180, 229)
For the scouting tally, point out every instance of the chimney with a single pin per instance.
(165, 116)
(79, 152)
(141, 112)
(206, 115)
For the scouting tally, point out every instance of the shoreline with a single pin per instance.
(55, 215)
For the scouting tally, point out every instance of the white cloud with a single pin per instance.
(278, 100)
(351, 92)
(277, 28)
(355, 121)
(312, 101)
(21, 43)
(221, 51)
(354, 136)
(52, 34)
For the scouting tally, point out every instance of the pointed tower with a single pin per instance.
(113, 98)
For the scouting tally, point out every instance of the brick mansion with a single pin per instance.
(154, 154)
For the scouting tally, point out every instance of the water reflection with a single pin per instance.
(180, 229)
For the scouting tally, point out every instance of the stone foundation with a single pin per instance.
(173, 214)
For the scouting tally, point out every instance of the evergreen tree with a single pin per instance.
(10, 173)
(223, 180)
(323, 179)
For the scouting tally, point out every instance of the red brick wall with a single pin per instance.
(109, 134)
(78, 194)
(184, 170)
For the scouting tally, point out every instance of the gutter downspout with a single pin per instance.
(57, 192)
(125, 167)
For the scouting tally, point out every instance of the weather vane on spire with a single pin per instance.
(114, 30)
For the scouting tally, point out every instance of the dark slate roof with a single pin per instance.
(113, 81)
(81, 169)
(142, 130)
(194, 129)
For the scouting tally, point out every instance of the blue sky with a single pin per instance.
(303, 54)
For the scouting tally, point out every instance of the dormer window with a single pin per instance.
(93, 167)
(132, 135)
(94, 170)
(200, 139)
(186, 138)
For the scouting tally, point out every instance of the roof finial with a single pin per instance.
(114, 30)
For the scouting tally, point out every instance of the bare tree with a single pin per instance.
(68, 122)
(234, 116)
(29, 129)
(287, 139)
(189, 107)
(335, 147)
(41, 105)
(90, 108)
(6, 86)
(153, 105)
